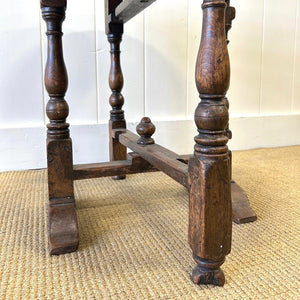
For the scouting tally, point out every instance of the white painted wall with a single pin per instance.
(158, 59)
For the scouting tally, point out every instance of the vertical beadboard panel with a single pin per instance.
(132, 62)
(296, 94)
(103, 63)
(80, 59)
(21, 97)
(278, 56)
(133, 68)
(81, 63)
(194, 36)
(245, 50)
(166, 59)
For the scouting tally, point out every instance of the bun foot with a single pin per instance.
(63, 229)
(208, 272)
(202, 275)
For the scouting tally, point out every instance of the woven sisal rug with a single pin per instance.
(133, 237)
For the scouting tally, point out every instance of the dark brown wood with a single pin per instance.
(158, 156)
(206, 173)
(117, 120)
(229, 17)
(54, 3)
(135, 164)
(145, 129)
(241, 209)
(185, 158)
(63, 229)
(112, 5)
(111, 24)
(210, 199)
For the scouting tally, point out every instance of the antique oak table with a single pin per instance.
(206, 174)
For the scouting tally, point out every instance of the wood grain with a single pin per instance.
(158, 156)
(117, 119)
(63, 228)
(210, 210)
(135, 164)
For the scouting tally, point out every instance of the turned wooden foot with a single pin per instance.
(208, 272)
(63, 229)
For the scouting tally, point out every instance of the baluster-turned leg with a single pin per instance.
(63, 230)
(116, 150)
(210, 200)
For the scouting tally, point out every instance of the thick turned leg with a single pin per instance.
(116, 150)
(209, 168)
(63, 229)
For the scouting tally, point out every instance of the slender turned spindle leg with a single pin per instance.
(210, 199)
(116, 150)
(63, 230)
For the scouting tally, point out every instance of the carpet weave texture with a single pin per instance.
(133, 236)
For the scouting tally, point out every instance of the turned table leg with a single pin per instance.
(63, 229)
(209, 169)
(116, 150)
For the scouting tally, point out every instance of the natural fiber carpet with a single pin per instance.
(133, 237)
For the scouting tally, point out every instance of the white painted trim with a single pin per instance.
(24, 148)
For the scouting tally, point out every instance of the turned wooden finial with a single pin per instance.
(145, 129)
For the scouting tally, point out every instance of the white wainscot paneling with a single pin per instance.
(26, 148)
(194, 35)
(278, 56)
(165, 59)
(133, 68)
(22, 148)
(21, 93)
(248, 133)
(103, 64)
(296, 94)
(245, 57)
(80, 59)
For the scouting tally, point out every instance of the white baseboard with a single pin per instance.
(24, 148)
